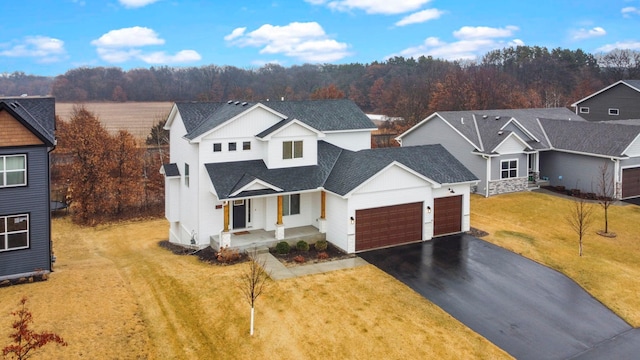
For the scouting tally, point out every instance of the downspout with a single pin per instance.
(487, 174)
(616, 177)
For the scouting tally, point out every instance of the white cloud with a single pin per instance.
(623, 45)
(46, 49)
(472, 42)
(236, 33)
(128, 37)
(118, 46)
(136, 3)
(420, 17)
(304, 41)
(628, 11)
(581, 34)
(386, 7)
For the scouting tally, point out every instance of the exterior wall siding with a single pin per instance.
(32, 199)
(337, 221)
(354, 140)
(573, 171)
(435, 131)
(620, 97)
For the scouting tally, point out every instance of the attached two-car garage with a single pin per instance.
(399, 224)
(630, 182)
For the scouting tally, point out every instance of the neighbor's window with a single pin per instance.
(291, 204)
(14, 232)
(292, 149)
(614, 112)
(232, 146)
(584, 110)
(508, 169)
(186, 174)
(217, 147)
(246, 145)
(13, 170)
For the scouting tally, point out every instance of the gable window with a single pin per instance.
(232, 146)
(584, 110)
(508, 169)
(186, 175)
(14, 232)
(291, 204)
(292, 149)
(246, 145)
(13, 170)
(614, 111)
(217, 147)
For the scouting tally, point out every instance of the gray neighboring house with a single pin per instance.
(27, 137)
(521, 149)
(618, 101)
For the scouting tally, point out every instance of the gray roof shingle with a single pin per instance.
(590, 137)
(171, 170)
(323, 115)
(338, 170)
(38, 114)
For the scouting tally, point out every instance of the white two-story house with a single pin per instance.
(260, 172)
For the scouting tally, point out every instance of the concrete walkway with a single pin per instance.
(280, 272)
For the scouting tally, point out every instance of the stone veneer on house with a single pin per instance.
(507, 185)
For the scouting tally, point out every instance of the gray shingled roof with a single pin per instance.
(338, 170)
(488, 123)
(323, 115)
(633, 83)
(590, 137)
(171, 170)
(38, 114)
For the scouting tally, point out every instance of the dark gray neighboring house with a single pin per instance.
(519, 149)
(618, 101)
(27, 137)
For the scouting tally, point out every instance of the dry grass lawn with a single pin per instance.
(115, 294)
(136, 117)
(534, 225)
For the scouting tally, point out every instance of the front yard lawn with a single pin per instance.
(534, 225)
(116, 294)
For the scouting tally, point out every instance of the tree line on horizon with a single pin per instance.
(515, 77)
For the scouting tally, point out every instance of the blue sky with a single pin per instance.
(50, 37)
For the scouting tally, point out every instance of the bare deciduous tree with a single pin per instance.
(253, 281)
(605, 193)
(579, 218)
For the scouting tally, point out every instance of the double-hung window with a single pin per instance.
(186, 175)
(508, 169)
(292, 149)
(13, 170)
(14, 232)
(291, 204)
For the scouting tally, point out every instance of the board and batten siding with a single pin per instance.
(352, 140)
(32, 199)
(337, 221)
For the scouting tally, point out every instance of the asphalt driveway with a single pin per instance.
(529, 310)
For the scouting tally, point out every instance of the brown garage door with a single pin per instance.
(447, 215)
(630, 182)
(388, 226)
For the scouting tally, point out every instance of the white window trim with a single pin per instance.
(3, 172)
(614, 111)
(234, 144)
(4, 235)
(287, 198)
(186, 174)
(584, 110)
(508, 169)
(293, 149)
(246, 143)
(219, 146)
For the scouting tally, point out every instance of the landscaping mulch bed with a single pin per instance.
(311, 256)
(207, 254)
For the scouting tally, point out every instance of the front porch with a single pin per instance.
(248, 239)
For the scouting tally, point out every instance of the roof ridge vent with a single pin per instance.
(498, 117)
(485, 116)
(230, 102)
(236, 103)
(245, 103)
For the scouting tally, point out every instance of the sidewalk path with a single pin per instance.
(280, 272)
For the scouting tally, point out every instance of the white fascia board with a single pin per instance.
(512, 134)
(298, 122)
(172, 115)
(433, 183)
(258, 182)
(521, 127)
(599, 92)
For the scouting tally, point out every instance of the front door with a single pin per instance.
(239, 214)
